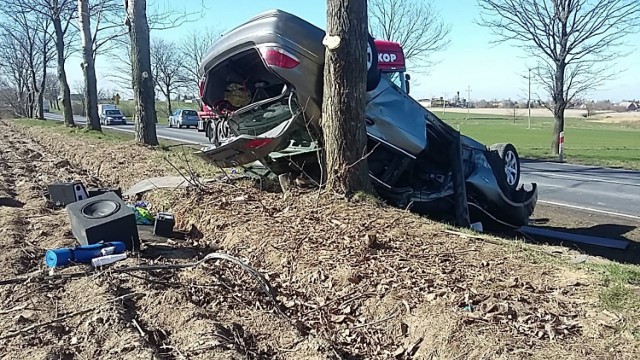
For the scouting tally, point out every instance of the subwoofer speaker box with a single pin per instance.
(104, 218)
(63, 194)
(95, 191)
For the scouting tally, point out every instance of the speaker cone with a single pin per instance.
(100, 209)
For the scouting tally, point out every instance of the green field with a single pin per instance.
(613, 145)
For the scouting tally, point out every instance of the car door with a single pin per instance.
(245, 149)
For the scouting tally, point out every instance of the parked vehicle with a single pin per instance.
(110, 115)
(277, 59)
(45, 106)
(183, 117)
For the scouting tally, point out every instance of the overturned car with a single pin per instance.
(263, 80)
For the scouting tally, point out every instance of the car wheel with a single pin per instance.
(510, 162)
(170, 124)
(222, 132)
(179, 125)
(373, 73)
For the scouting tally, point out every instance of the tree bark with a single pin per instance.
(67, 110)
(343, 122)
(559, 105)
(143, 85)
(169, 100)
(88, 68)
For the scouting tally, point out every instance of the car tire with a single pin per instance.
(373, 73)
(170, 124)
(179, 125)
(510, 164)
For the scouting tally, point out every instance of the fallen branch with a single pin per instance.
(477, 237)
(268, 289)
(375, 322)
(58, 319)
(15, 308)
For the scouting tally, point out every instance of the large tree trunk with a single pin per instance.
(345, 138)
(67, 110)
(143, 86)
(88, 68)
(559, 105)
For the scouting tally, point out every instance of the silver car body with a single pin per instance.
(413, 138)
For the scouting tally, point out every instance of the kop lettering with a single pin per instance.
(387, 57)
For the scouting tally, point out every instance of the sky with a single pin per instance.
(470, 62)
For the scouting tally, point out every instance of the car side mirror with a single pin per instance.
(407, 79)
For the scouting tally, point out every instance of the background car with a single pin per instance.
(183, 117)
(112, 117)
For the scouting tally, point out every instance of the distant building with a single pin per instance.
(629, 105)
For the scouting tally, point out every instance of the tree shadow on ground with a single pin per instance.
(630, 255)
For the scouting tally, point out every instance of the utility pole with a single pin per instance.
(468, 100)
(444, 104)
(529, 101)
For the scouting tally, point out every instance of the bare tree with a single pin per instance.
(52, 90)
(415, 24)
(14, 76)
(194, 47)
(575, 42)
(80, 88)
(143, 83)
(90, 101)
(343, 105)
(31, 31)
(167, 62)
(60, 13)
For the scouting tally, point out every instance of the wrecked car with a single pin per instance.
(273, 66)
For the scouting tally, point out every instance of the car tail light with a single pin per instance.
(257, 143)
(276, 56)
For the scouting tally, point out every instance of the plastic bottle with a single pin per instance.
(109, 259)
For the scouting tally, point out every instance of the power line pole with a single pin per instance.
(529, 101)
(468, 100)
(444, 104)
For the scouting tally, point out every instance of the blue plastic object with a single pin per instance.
(80, 254)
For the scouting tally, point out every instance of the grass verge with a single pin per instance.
(169, 153)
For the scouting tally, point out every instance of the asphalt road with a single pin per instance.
(191, 136)
(596, 189)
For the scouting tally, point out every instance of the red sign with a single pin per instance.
(390, 56)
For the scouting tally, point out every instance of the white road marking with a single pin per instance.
(582, 178)
(590, 209)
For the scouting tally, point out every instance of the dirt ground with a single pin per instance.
(354, 280)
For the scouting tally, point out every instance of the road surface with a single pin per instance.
(608, 191)
(601, 190)
(190, 136)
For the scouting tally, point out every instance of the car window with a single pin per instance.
(394, 77)
(112, 112)
(189, 113)
(175, 113)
